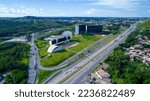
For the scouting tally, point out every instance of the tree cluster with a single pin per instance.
(12, 57)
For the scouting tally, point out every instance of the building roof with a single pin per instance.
(67, 33)
(56, 37)
(64, 34)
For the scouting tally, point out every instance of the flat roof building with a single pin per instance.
(94, 28)
(80, 29)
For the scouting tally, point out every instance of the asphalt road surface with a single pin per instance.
(32, 63)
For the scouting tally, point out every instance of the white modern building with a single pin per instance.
(55, 41)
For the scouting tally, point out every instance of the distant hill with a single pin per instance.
(28, 24)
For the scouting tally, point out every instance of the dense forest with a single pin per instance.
(26, 25)
(124, 71)
(14, 59)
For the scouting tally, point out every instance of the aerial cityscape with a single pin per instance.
(93, 42)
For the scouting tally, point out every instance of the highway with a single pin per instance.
(83, 68)
(32, 62)
(16, 39)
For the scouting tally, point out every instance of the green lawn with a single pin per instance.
(43, 52)
(43, 47)
(84, 41)
(42, 75)
(56, 58)
(41, 43)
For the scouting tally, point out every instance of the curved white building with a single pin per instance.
(59, 39)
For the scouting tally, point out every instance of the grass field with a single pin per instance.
(84, 41)
(43, 47)
(43, 52)
(41, 44)
(56, 58)
(42, 75)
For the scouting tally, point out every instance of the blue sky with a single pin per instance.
(87, 8)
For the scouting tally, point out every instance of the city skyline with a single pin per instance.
(75, 8)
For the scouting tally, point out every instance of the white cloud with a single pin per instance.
(24, 11)
(92, 11)
(124, 4)
(97, 12)
(19, 11)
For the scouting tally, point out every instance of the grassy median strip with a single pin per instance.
(110, 38)
(42, 75)
(54, 76)
(43, 52)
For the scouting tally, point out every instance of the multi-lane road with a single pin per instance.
(32, 62)
(81, 69)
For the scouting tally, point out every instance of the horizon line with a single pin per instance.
(76, 16)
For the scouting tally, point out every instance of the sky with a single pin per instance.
(75, 8)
